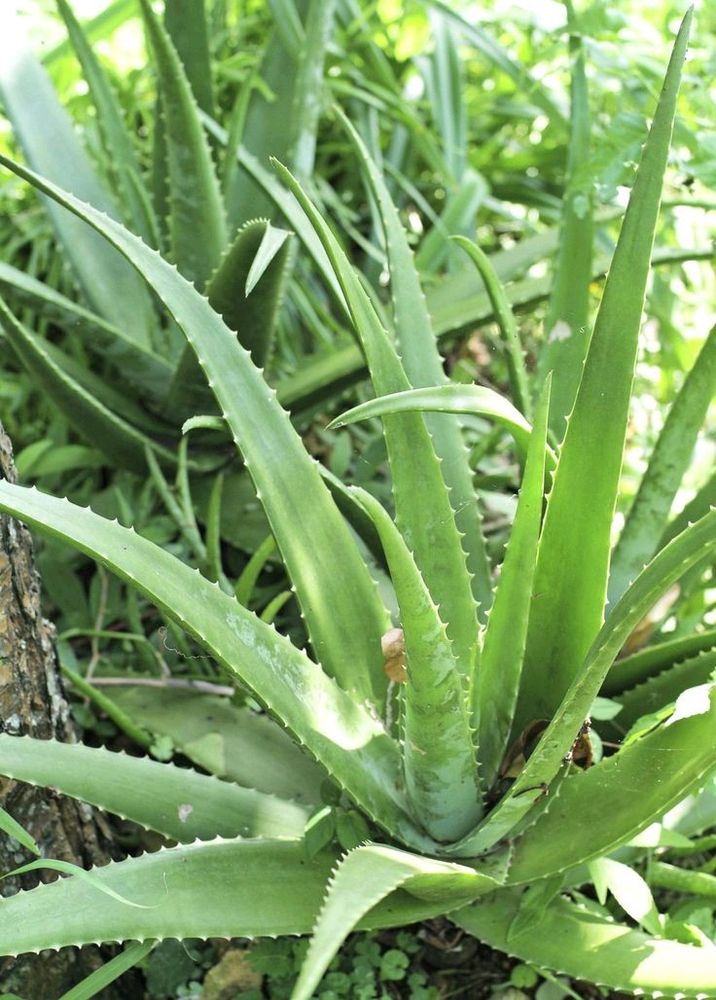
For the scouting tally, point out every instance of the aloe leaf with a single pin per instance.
(122, 443)
(423, 366)
(229, 888)
(343, 736)
(507, 323)
(545, 762)
(663, 688)
(648, 662)
(496, 686)
(109, 972)
(438, 751)
(445, 86)
(116, 140)
(197, 226)
(307, 102)
(573, 561)
(704, 500)
(451, 398)
(580, 943)
(149, 371)
(423, 510)
(11, 828)
(185, 21)
(96, 29)
(247, 286)
(309, 530)
(363, 878)
(176, 802)
(669, 461)
(565, 325)
(600, 809)
(230, 742)
(50, 145)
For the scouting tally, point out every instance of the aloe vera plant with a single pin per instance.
(462, 758)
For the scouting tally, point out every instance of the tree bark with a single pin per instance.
(32, 702)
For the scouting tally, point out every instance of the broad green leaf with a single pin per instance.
(230, 742)
(506, 321)
(424, 367)
(669, 460)
(546, 760)
(450, 398)
(197, 226)
(119, 151)
(307, 103)
(638, 667)
(663, 688)
(582, 944)
(229, 888)
(49, 142)
(608, 804)
(121, 442)
(438, 751)
(628, 888)
(174, 801)
(496, 685)
(565, 325)
(186, 23)
(307, 526)
(366, 876)
(109, 972)
(423, 511)
(350, 742)
(573, 561)
(533, 905)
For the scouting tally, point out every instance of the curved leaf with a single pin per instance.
(177, 802)
(343, 613)
(586, 945)
(343, 736)
(638, 667)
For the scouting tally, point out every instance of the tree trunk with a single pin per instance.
(32, 702)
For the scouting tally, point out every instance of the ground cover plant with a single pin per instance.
(455, 742)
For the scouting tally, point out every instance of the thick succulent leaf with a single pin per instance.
(422, 502)
(307, 103)
(197, 226)
(176, 802)
(424, 367)
(506, 321)
(229, 888)
(452, 398)
(122, 443)
(343, 613)
(457, 219)
(573, 561)
(96, 29)
(608, 804)
(116, 140)
(445, 85)
(351, 743)
(586, 945)
(494, 694)
(365, 877)
(246, 288)
(565, 325)
(662, 689)
(231, 742)
(50, 145)
(669, 461)
(638, 667)
(545, 762)
(438, 750)
(704, 500)
(146, 369)
(186, 23)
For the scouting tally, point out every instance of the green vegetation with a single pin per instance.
(349, 717)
